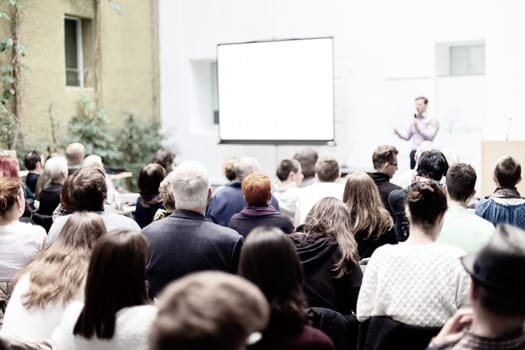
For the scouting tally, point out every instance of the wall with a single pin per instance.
(129, 50)
(385, 55)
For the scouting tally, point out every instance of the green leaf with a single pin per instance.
(8, 78)
(6, 68)
(4, 15)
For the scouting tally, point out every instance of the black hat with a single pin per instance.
(500, 265)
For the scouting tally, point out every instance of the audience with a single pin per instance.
(75, 156)
(229, 200)
(9, 166)
(268, 259)
(115, 313)
(418, 282)
(328, 251)
(33, 163)
(461, 227)
(53, 280)
(167, 198)
(19, 242)
(186, 241)
(506, 204)
(496, 297)
(384, 159)
(55, 170)
(290, 176)
(372, 225)
(209, 310)
(327, 173)
(86, 191)
(308, 159)
(149, 201)
(257, 191)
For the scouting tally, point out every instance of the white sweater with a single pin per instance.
(131, 330)
(420, 285)
(31, 324)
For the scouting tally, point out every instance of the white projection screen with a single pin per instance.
(276, 91)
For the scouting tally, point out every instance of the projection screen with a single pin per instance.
(276, 91)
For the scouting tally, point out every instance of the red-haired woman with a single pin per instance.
(257, 190)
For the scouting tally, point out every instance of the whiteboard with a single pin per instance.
(276, 91)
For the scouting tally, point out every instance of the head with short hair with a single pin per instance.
(364, 203)
(245, 166)
(327, 169)
(166, 192)
(507, 172)
(58, 273)
(9, 166)
(461, 180)
(426, 203)
(308, 158)
(10, 193)
(191, 185)
(150, 177)
(384, 156)
(287, 167)
(330, 218)
(257, 189)
(269, 260)
(32, 159)
(93, 160)
(164, 158)
(87, 189)
(75, 153)
(115, 280)
(432, 165)
(56, 169)
(208, 310)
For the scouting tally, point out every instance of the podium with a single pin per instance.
(491, 151)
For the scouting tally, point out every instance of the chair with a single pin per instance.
(385, 333)
(341, 329)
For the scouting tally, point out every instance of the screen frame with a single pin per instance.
(330, 142)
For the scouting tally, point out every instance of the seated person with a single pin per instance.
(209, 310)
(149, 200)
(418, 282)
(506, 204)
(55, 170)
(268, 259)
(290, 175)
(167, 197)
(461, 227)
(257, 190)
(498, 308)
(372, 224)
(33, 163)
(328, 251)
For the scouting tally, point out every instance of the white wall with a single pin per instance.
(385, 55)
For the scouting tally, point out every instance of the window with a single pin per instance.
(460, 58)
(73, 49)
(214, 96)
(467, 60)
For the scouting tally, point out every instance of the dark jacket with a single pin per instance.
(187, 242)
(367, 246)
(252, 217)
(145, 209)
(228, 201)
(384, 186)
(49, 201)
(385, 333)
(308, 338)
(318, 256)
(397, 201)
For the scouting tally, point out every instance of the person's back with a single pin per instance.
(461, 227)
(186, 241)
(384, 160)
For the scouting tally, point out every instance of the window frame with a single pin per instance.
(80, 54)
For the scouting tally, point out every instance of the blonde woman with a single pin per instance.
(53, 280)
(372, 224)
(328, 251)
